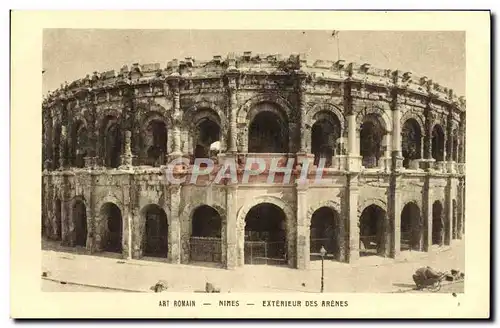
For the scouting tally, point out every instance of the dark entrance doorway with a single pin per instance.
(58, 221)
(207, 132)
(371, 135)
(79, 140)
(80, 222)
(205, 242)
(155, 238)
(373, 232)
(112, 218)
(323, 138)
(265, 235)
(268, 133)
(326, 232)
(411, 145)
(411, 228)
(437, 223)
(111, 141)
(156, 143)
(437, 143)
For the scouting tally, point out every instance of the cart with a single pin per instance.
(432, 284)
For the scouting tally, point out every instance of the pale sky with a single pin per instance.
(70, 54)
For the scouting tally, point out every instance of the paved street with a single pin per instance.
(52, 286)
(453, 288)
(370, 274)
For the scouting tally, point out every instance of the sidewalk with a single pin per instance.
(369, 274)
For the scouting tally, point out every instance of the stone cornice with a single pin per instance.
(274, 67)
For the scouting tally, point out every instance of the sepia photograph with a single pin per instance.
(263, 161)
(349, 167)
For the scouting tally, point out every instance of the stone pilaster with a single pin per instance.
(62, 148)
(461, 137)
(397, 155)
(243, 135)
(427, 161)
(126, 231)
(303, 229)
(448, 145)
(448, 212)
(127, 221)
(138, 227)
(386, 161)
(69, 231)
(176, 152)
(302, 109)
(291, 240)
(174, 238)
(92, 215)
(352, 217)
(460, 212)
(233, 113)
(66, 233)
(427, 215)
(93, 135)
(395, 208)
(177, 116)
(240, 236)
(187, 146)
(231, 228)
(294, 136)
(126, 158)
(428, 133)
(445, 148)
(352, 136)
(354, 159)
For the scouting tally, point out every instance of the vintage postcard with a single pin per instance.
(292, 164)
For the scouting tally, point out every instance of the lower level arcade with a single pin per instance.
(232, 226)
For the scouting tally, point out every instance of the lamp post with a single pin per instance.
(323, 253)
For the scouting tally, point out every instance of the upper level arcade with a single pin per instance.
(353, 116)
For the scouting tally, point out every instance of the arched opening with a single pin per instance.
(111, 217)
(438, 143)
(155, 237)
(80, 222)
(265, 235)
(111, 142)
(412, 140)
(326, 232)
(437, 223)
(58, 220)
(268, 133)
(207, 132)
(57, 145)
(455, 219)
(373, 230)
(206, 231)
(371, 135)
(156, 143)
(79, 144)
(411, 228)
(324, 135)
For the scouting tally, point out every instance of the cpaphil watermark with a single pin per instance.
(276, 170)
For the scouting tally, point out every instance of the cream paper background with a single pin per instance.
(27, 299)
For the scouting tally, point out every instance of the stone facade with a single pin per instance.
(398, 139)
